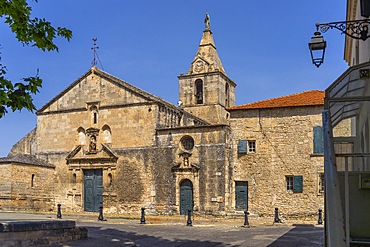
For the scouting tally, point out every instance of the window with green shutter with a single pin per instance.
(298, 184)
(242, 146)
(294, 183)
(318, 141)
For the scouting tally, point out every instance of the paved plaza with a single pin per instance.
(174, 232)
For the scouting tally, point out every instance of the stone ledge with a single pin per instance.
(40, 233)
(15, 226)
(41, 237)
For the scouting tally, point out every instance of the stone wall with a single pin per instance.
(27, 145)
(145, 176)
(59, 132)
(27, 187)
(210, 160)
(39, 233)
(284, 147)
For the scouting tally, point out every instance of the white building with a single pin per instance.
(347, 156)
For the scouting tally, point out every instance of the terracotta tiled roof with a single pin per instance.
(307, 98)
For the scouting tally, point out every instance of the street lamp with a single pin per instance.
(317, 47)
(358, 29)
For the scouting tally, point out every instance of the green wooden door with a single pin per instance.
(186, 196)
(93, 190)
(241, 195)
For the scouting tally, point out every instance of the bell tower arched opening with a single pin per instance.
(199, 91)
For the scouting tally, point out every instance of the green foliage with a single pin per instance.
(18, 95)
(31, 32)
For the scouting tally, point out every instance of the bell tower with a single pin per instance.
(205, 90)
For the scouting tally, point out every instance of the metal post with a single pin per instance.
(59, 214)
(142, 220)
(276, 219)
(334, 228)
(319, 221)
(346, 201)
(246, 222)
(189, 223)
(101, 214)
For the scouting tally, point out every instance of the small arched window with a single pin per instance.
(32, 180)
(74, 178)
(94, 114)
(95, 117)
(110, 179)
(199, 91)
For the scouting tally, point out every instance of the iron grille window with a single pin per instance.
(252, 146)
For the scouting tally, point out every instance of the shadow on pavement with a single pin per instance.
(99, 236)
(300, 234)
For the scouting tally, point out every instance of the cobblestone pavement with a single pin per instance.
(172, 231)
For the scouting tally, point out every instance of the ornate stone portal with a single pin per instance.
(186, 170)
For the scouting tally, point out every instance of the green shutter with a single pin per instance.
(298, 184)
(242, 146)
(318, 141)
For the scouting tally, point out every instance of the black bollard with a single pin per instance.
(246, 222)
(276, 219)
(101, 218)
(188, 222)
(142, 220)
(59, 214)
(319, 221)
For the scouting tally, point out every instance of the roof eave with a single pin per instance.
(275, 107)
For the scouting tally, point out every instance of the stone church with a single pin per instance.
(105, 142)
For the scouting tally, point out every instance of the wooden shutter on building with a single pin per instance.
(242, 146)
(318, 141)
(298, 184)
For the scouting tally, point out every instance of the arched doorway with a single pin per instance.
(186, 196)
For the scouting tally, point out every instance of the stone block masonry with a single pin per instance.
(39, 233)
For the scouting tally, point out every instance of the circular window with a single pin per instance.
(187, 142)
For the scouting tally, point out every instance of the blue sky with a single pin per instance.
(148, 43)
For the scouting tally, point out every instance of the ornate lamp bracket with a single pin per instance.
(357, 29)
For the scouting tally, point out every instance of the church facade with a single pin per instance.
(104, 142)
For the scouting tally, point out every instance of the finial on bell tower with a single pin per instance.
(207, 22)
